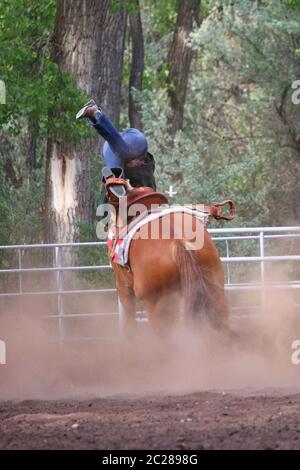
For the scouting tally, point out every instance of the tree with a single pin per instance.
(247, 64)
(234, 143)
(240, 136)
(88, 42)
(137, 65)
(25, 31)
(180, 58)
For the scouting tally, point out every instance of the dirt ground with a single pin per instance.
(195, 389)
(203, 420)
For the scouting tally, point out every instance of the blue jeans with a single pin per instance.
(119, 146)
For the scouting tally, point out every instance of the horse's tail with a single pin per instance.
(197, 288)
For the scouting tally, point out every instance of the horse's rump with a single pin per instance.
(200, 287)
(165, 253)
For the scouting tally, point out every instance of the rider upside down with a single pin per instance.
(159, 270)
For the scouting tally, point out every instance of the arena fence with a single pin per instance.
(249, 256)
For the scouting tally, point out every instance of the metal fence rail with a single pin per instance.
(221, 236)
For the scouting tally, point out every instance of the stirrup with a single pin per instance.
(118, 190)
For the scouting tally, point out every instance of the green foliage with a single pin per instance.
(41, 102)
(162, 14)
(20, 218)
(4, 210)
(234, 143)
(36, 90)
(293, 4)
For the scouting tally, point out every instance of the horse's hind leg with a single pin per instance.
(218, 300)
(162, 311)
(127, 310)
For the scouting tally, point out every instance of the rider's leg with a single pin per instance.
(126, 153)
(106, 129)
(103, 126)
(128, 145)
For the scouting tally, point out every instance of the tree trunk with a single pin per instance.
(11, 175)
(137, 65)
(180, 58)
(31, 150)
(89, 43)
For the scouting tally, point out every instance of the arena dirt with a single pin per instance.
(195, 389)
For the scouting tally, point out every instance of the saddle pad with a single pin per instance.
(119, 249)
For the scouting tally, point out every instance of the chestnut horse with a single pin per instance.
(164, 270)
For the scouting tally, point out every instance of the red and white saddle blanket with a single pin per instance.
(119, 246)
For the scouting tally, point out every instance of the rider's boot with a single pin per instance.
(89, 111)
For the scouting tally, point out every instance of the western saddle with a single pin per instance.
(148, 197)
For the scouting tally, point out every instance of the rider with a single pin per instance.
(125, 153)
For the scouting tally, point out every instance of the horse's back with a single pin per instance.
(153, 261)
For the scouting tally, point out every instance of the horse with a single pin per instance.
(161, 270)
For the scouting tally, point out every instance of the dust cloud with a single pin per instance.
(258, 355)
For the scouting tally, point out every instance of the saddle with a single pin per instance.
(155, 204)
(140, 195)
(148, 197)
